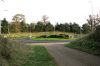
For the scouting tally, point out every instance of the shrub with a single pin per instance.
(12, 53)
(97, 34)
(65, 36)
(55, 36)
(43, 36)
(89, 43)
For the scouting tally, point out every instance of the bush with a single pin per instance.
(97, 34)
(89, 46)
(43, 36)
(55, 36)
(89, 43)
(65, 36)
(12, 53)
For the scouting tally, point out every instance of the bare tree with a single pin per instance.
(97, 20)
(93, 21)
(18, 18)
(44, 19)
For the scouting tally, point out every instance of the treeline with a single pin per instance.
(15, 27)
(18, 24)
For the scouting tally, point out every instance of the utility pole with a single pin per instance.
(44, 18)
(8, 28)
(0, 24)
(45, 29)
(54, 29)
(1, 21)
(30, 32)
(80, 32)
(0, 27)
(92, 14)
(91, 4)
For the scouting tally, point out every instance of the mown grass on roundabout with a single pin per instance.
(53, 37)
(50, 39)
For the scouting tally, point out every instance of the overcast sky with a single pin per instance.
(57, 10)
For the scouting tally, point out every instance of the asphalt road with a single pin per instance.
(65, 56)
(41, 41)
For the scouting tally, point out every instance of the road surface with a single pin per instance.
(65, 56)
(41, 41)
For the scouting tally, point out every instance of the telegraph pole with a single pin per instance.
(92, 14)
(54, 29)
(91, 4)
(80, 32)
(1, 20)
(0, 27)
(30, 32)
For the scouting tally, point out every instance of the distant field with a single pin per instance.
(39, 57)
(34, 34)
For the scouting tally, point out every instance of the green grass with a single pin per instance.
(50, 39)
(39, 57)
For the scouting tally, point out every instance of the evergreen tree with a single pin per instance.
(71, 29)
(76, 28)
(4, 24)
(49, 27)
(32, 27)
(40, 27)
(86, 28)
(67, 27)
(23, 27)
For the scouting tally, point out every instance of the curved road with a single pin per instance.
(65, 56)
(42, 41)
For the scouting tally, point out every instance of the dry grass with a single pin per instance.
(34, 34)
(12, 53)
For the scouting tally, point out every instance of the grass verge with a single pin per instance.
(13, 53)
(49, 39)
(39, 57)
(89, 46)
